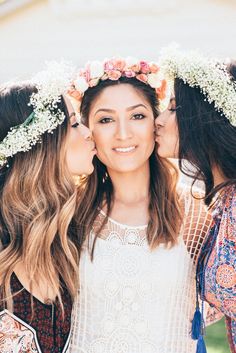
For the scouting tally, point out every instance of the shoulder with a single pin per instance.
(197, 218)
(228, 218)
(231, 201)
(192, 199)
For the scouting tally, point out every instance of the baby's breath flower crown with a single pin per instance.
(115, 68)
(51, 84)
(209, 75)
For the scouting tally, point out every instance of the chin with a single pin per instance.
(90, 170)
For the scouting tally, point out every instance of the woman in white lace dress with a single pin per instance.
(141, 237)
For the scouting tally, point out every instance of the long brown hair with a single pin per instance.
(37, 203)
(164, 209)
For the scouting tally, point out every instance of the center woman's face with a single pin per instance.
(122, 123)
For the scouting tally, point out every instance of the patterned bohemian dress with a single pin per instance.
(217, 263)
(43, 331)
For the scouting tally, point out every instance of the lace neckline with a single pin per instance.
(121, 225)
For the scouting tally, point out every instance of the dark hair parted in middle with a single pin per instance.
(164, 211)
(206, 137)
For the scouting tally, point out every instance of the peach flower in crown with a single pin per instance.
(115, 68)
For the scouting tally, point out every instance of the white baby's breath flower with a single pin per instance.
(51, 84)
(209, 75)
(96, 69)
(81, 84)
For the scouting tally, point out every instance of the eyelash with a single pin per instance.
(104, 120)
(135, 117)
(172, 110)
(139, 115)
(75, 124)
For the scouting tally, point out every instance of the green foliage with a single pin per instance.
(216, 340)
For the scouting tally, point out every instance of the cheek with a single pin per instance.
(147, 133)
(75, 141)
(103, 136)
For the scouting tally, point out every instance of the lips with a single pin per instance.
(124, 149)
(93, 149)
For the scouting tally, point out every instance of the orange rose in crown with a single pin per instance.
(115, 68)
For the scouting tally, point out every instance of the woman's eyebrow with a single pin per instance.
(132, 107)
(136, 106)
(105, 110)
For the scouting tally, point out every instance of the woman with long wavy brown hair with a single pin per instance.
(141, 236)
(42, 148)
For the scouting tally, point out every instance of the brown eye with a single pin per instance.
(105, 120)
(138, 116)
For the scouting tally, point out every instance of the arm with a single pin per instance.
(220, 272)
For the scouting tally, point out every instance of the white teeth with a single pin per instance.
(125, 149)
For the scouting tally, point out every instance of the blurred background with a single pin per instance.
(32, 32)
(78, 30)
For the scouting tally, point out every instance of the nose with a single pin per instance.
(123, 130)
(159, 121)
(86, 133)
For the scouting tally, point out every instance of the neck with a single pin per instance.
(218, 176)
(131, 187)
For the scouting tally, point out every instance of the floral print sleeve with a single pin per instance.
(220, 270)
(16, 335)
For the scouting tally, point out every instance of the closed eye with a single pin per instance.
(172, 110)
(75, 124)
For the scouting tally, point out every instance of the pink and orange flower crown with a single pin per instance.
(113, 69)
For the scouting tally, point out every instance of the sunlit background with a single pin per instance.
(32, 32)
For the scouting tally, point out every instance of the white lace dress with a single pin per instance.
(134, 300)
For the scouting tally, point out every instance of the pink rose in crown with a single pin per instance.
(136, 67)
(144, 67)
(108, 65)
(114, 75)
(118, 64)
(129, 73)
(153, 68)
(142, 77)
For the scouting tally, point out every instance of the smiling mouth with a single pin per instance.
(125, 149)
